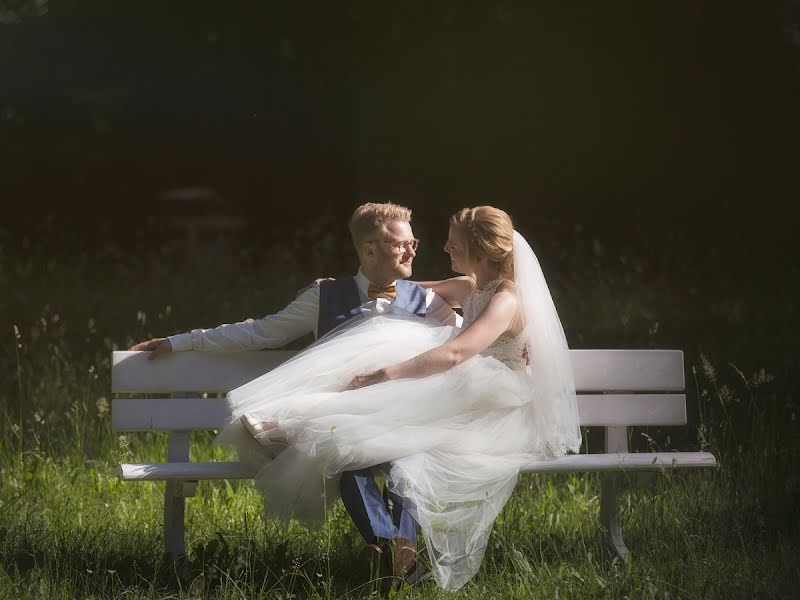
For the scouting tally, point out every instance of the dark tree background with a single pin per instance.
(608, 130)
(614, 110)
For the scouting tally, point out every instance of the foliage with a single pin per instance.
(70, 528)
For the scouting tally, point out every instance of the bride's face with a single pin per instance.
(456, 247)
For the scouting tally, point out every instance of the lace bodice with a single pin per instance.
(508, 348)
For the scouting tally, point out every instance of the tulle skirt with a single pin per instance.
(453, 443)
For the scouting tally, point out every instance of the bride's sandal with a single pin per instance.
(274, 436)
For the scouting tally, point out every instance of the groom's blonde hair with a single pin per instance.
(370, 217)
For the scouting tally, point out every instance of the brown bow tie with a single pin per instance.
(378, 292)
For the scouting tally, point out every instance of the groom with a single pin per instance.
(386, 248)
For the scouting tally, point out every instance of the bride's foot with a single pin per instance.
(256, 427)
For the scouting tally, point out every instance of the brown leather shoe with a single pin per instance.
(405, 557)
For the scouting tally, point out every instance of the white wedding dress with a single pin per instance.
(452, 443)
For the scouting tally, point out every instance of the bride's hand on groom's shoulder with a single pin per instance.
(156, 347)
(368, 378)
(313, 283)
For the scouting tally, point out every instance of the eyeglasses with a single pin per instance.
(403, 246)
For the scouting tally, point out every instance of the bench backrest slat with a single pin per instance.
(194, 372)
(191, 372)
(628, 370)
(181, 414)
(168, 414)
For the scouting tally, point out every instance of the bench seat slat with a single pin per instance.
(190, 414)
(595, 370)
(184, 470)
(646, 461)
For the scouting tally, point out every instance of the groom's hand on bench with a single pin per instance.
(156, 347)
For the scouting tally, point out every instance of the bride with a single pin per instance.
(450, 416)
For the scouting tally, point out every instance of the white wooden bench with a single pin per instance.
(616, 389)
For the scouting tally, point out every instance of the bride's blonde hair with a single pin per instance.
(489, 232)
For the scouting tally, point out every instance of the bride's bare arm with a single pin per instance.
(492, 322)
(453, 290)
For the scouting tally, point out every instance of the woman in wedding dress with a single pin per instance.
(452, 416)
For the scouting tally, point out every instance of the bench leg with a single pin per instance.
(175, 503)
(174, 507)
(609, 512)
(616, 441)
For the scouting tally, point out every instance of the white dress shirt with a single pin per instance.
(297, 319)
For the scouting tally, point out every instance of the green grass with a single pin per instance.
(69, 528)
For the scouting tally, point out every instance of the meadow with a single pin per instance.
(70, 529)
